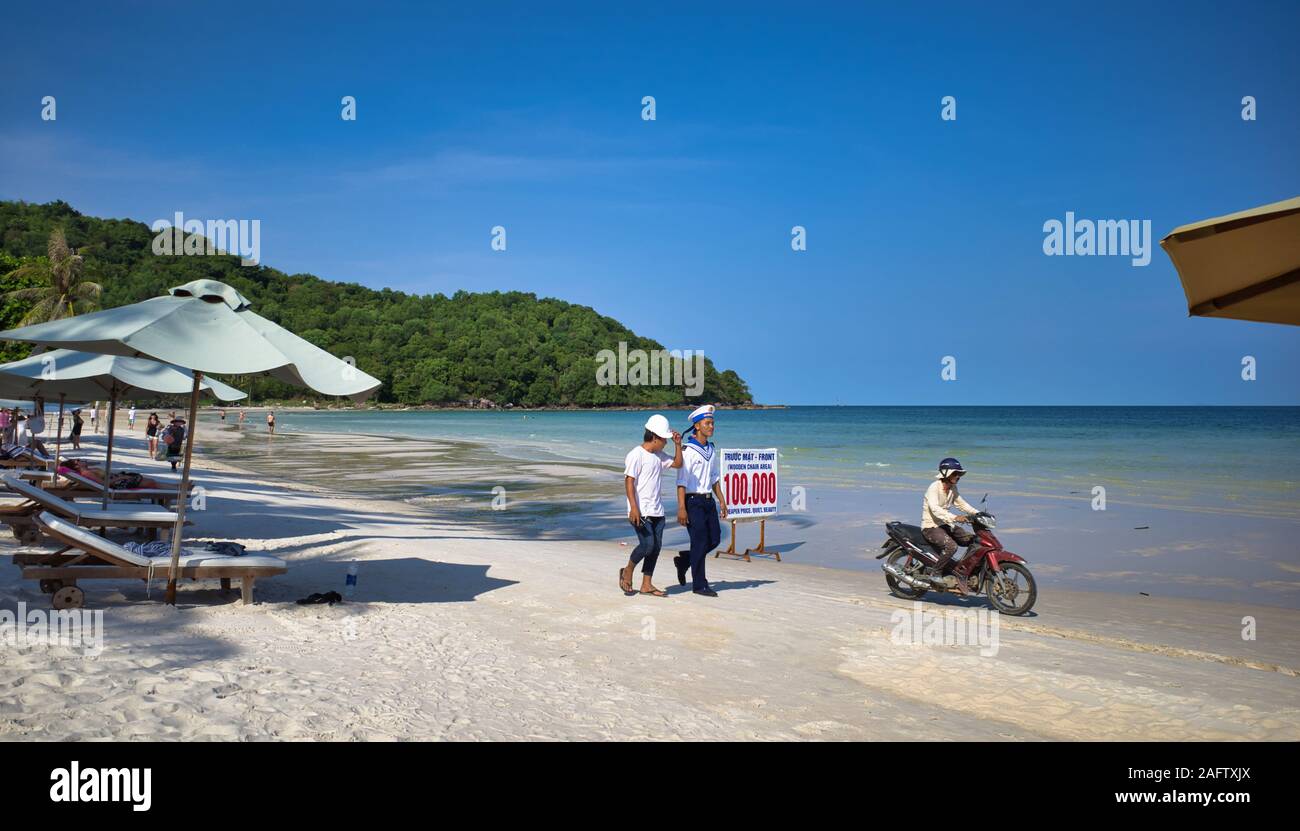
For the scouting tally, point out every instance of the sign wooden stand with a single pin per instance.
(760, 551)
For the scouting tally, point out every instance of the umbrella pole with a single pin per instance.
(184, 486)
(58, 443)
(108, 459)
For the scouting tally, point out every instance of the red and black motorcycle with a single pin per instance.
(995, 572)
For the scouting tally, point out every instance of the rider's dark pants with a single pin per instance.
(947, 537)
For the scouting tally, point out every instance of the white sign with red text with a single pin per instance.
(749, 483)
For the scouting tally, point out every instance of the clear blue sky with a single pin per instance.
(924, 236)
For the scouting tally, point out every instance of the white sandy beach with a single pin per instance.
(459, 632)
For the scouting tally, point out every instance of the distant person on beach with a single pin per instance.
(77, 423)
(939, 522)
(223, 416)
(241, 417)
(151, 427)
(174, 438)
(698, 483)
(130, 417)
(270, 423)
(94, 418)
(642, 483)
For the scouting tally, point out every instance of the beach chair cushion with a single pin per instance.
(109, 550)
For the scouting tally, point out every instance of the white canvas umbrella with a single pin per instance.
(208, 327)
(85, 375)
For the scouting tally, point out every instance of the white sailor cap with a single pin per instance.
(701, 413)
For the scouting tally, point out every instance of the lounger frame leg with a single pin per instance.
(246, 591)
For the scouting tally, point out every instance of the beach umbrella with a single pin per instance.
(1244, 265)
(84, 375)
(208, 327)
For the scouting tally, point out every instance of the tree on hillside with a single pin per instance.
(62, 291)
(510, 347)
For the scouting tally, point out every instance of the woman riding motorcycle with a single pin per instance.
(939, 522)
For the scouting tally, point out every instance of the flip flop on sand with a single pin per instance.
(656, 592)
(624, 583)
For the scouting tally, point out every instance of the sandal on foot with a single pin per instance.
(623, 583)
(655, 593)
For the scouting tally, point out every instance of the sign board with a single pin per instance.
(749, 483)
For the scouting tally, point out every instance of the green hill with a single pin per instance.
(509, 347)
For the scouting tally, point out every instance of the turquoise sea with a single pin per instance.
(1244, 459)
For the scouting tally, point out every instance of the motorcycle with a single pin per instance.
(995, 572)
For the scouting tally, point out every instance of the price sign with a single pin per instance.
(749, 483)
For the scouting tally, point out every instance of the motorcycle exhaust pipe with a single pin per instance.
(904, 578)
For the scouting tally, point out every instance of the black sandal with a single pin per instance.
(655, 593)
(625, 586)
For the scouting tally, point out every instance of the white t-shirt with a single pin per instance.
(646, 469)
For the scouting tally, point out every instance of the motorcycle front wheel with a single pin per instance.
(898, 559)
(1012, 592)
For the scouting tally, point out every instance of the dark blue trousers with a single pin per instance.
(702, 519)
(650, 536)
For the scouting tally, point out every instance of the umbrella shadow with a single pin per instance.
(401, 580)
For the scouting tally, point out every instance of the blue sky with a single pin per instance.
(924, 236)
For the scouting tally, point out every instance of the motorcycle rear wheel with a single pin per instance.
(1013, 594)
(897, 589)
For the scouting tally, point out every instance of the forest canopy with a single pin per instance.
(507, 347)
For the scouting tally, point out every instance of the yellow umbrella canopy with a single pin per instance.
(1244, 265)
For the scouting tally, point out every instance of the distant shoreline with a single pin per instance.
(433, 408)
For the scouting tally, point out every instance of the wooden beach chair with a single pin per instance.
(91, 514)
(87, 556)
(74, 485)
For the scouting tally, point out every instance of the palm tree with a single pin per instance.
(65, 293)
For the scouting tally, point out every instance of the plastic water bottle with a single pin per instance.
(350, 586)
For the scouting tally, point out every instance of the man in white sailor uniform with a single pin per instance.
(699, 500)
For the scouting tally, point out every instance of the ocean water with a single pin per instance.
(1243, 460)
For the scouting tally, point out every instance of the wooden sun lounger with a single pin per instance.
(20, 515)
(92, 514)
(79, 486)
(59, 571)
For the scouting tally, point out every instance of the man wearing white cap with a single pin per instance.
(698, 482)
(642, 480)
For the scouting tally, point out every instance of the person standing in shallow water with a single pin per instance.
(270, 423)
(643, 485)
